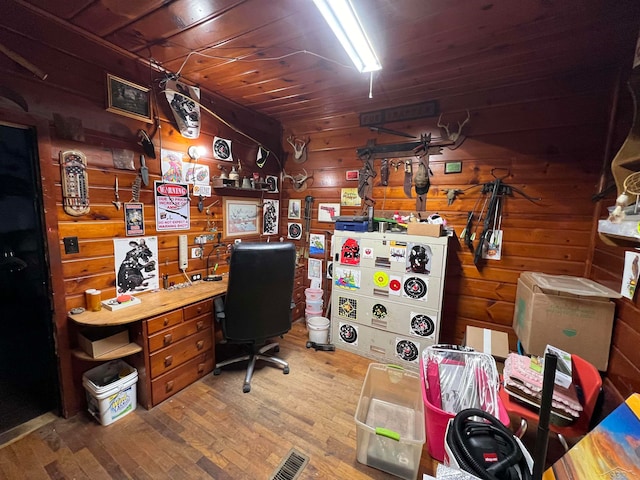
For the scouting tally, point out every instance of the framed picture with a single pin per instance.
(270, 217)
(128, 99)
(328, 211)
(294, 208)
(241, 216)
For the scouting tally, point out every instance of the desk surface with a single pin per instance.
(153, 303)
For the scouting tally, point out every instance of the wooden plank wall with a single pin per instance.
(74, 93)
(549, 135)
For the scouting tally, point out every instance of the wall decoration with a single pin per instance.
(630, 274)
(171, 164)
(75, 183)
(352, 175)
(195, 174)
(134, 218)
(261, 156)
(222, 149)
(492, 247)
(270, 217)
(136, 264)
(453, 167)
(294, 231)
(241, 217)
(272, 183)
(314, 268)
(172, 206)
(316, 244)
(349, 197)
(295, 208)
(328, 211)
(185, 110)
(128, 99)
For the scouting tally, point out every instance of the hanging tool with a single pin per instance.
(308, 202)
(116, 202)
(144, 171)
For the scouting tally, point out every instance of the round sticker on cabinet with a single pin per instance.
(422, 325)
(415, 287)
(379, 311)
(381, 279)
(348, 333)
(395, 285)
(407, 350)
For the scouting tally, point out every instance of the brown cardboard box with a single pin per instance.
(488, 341)
(425, 229)
(97, 342)
(571, 313)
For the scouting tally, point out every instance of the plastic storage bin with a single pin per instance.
(111, 391)
(390, 421)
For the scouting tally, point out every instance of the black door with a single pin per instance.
(28, 372)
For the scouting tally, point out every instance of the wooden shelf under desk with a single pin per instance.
(120, 352)
(153, 303)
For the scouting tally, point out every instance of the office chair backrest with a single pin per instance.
(259, 293)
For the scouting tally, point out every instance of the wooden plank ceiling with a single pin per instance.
(280, 58)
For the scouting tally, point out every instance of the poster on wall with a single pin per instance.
(316, 244)
(630, 274)
(172, 206)
(171, 165)
(134, 219)
(195, 174)
(270, 214)
(136, 264)
(349, 197)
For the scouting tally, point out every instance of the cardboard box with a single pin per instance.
(572, 313)
(97, 342)
(488, 341)
(425, 229)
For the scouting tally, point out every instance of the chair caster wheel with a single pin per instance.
(246, 388)
(217, 371)
(276, 349)
(309, 344)
(285, 370)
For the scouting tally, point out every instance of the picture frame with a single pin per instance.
(294, 211)
(453, 167)
(270, 216)
(327, 212)
(128, 99)
(241, 217)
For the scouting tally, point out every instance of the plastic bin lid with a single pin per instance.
(574, 285)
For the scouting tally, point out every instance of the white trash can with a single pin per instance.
(111, 390)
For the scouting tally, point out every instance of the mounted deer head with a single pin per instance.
(299, 180)
(299, 152)
(453, 137)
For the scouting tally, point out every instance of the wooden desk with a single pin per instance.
(172, 338)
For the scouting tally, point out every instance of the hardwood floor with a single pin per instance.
(213, 430)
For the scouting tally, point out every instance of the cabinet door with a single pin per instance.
(170, 357)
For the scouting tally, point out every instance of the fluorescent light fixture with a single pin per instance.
(342, 18)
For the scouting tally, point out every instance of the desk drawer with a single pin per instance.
(163, 321)
(171, 382)
(172, 335)
(198, 309)
(170, 357)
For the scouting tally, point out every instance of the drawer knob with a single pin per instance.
(168, 387)
(168, 338)
(199, 309)
(200, 367)
(168, 360)
(166, 321)
(200, 325)
(200, 344)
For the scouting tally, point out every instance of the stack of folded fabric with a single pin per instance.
(523, 381)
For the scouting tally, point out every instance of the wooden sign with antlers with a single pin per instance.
(299, 180)
(299, 150)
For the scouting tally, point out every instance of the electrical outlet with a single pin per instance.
(71, 245)
(196, 252)
(195, 277)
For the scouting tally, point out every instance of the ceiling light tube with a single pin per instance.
(342, 18)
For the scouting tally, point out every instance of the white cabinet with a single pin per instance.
(387, 294)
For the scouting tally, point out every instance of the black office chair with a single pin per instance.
(258, 303)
